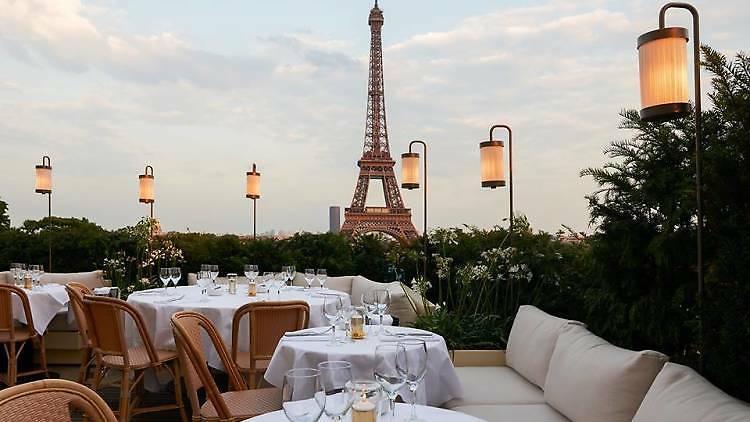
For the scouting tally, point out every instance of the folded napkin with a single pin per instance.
(392, 334)
(325, 293)
(309, 333)
(102, 290)
(171, 299)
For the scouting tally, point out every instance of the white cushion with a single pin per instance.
(513, 413)
(6, 277)
(494, 385)
(531, 342)
(679, 394)
(590, 380)
(90, 279)
(400, 305)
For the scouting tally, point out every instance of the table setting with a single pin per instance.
(45, 300)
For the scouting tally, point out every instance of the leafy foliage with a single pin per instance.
(4, 217)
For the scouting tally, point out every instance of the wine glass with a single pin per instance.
(411, 362)
(387, 374)
(34, 272)
(368, 301)
(291, 272)
(175, 274)
(284, 275)
(334, 375)
(204, 280)
(322, 277)
(302, 395)
(39, 276)
(165, 276)
(309, 277)
(214, 269)
(382, 304)
(251, 272)
(332, 306)
(18, 271)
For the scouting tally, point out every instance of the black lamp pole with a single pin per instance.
(413, 186)
(510, 169)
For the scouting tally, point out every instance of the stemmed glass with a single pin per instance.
(214, 269)
(382, 304)
(204, 280)
(334, 376)
(35, 275)
(18, 272)
(309, 277)
(322, 277)
(251, 272)
(291, 272)
(368, 301)
(332, 306)
(387, 374)
(165, 276)
(175, 274)
(302, 395)
(411, 362)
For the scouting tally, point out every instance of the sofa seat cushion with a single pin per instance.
(494, 385)
(679, 394)
(531, 341)
(513, 412)
(400, 307)
(590, 380)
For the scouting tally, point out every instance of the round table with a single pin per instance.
(157, 309)
(440, 384)
(426, 413)
(45, 302)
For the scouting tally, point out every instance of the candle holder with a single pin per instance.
(367, 396)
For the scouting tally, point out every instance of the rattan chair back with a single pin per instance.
(51, 400)
(76, 292)
(269, 321)
(7, 322)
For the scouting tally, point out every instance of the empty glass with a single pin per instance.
(175, 274)
(309, 277)
(302, 395)
(204, 280)
(291, 272)
(334, 376)
(322, 277)
(18, 271)
(411, 362)
(332, 306)
(251, 272)
(34, 271)
(165, 277)
(388, 376)
(382, 304)
(214, 269)
(368, 301)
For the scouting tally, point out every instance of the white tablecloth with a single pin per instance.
(428, 414)
(45, 302)
(440, 384)
(157, 310)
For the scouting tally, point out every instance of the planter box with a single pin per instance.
(478, 357)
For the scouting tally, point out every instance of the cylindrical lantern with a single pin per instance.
(410, 170)
(146, 184)
(663, 67)
(491, 160)
(43, 176)
(253, 184)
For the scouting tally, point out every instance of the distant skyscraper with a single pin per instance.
(334, 219)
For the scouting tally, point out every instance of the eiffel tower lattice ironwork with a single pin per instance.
(376, 163)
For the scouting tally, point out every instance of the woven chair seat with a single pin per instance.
(245, 404)
(139, 358)
(21, 334)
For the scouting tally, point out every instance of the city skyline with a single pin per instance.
(105, 89)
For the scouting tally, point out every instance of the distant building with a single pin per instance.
(334, 219)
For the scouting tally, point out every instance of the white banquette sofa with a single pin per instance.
(556, 370)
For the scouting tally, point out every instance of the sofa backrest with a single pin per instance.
(401, 307)
(591, 380)
(679, 394)
(90, 279)
(6, 277)
(532, 339)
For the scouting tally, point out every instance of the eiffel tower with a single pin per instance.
(394, 218)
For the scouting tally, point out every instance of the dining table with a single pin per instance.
(157, 306)
(425, 413)
(308, 348)
(45, 301)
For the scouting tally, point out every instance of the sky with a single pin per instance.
(202, 89)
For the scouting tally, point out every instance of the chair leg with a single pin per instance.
(177, 376)
(12, 365)
(83, 373)
(125, 396)
(42, 354)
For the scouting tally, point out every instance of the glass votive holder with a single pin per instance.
(232, 279)
(367, 396)
(357, 325)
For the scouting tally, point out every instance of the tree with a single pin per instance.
(643, 290)
(4, 217)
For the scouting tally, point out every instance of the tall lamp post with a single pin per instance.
(493, 168)
(410, 180)
(663, 69)
(146, 188)
(252, 191)
(43, 185)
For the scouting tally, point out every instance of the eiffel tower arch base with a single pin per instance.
(394, 223)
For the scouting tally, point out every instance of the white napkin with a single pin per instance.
(170, 299)
(102, 290)
(404, 333)
(309, 334)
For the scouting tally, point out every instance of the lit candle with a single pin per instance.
(358, 326)
(363, 410)
(252, 288)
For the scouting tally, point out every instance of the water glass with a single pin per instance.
(165, 277)
(302, 395)
(291, 272)
(332, 306)
(214, 269)
(309, 277)
(18, 271)
(334, 376)
(368, 301)
(175, 274)
(388, 376)
(251, 272)
(382, 304)
(322, 277)
(411, 362)
(204, 280)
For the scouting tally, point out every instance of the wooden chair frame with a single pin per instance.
(8, 325)
(14, 402)
(258, 331)
(109, 314)
(76, 292)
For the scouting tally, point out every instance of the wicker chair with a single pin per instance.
(76, 292)
(11, 334)
(52, 400)
(106, 317)
(269, 321)
(235, 405)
